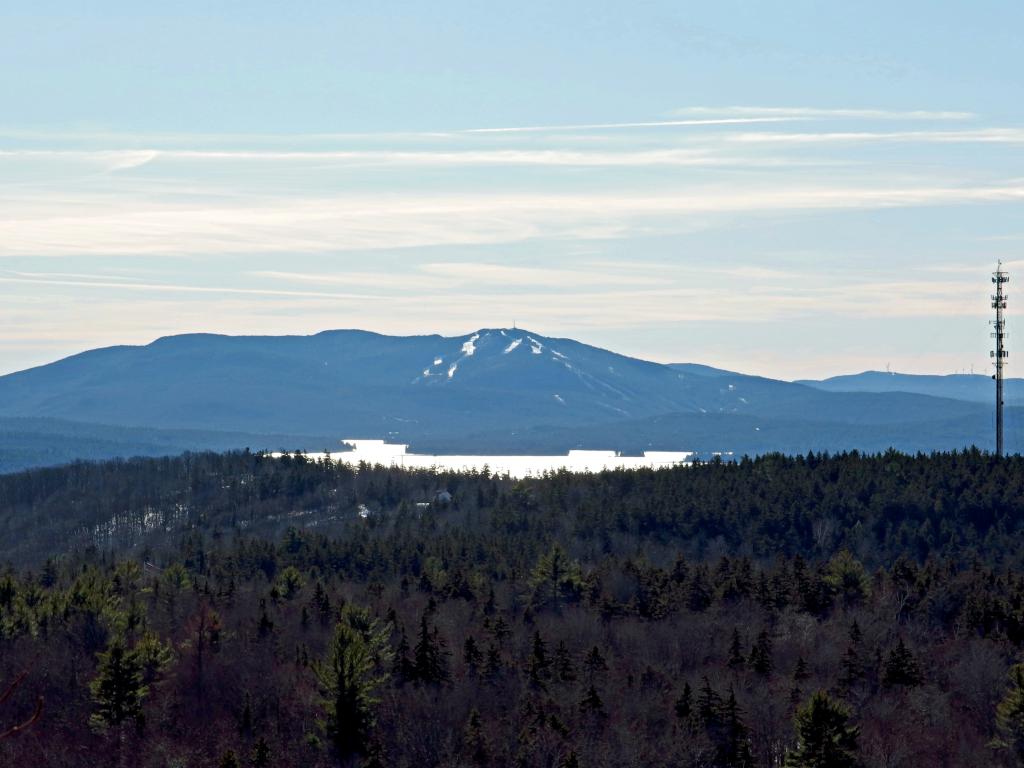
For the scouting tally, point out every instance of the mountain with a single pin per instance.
(500, 387)
(960, 386)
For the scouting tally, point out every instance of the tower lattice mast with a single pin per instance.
(999, 354)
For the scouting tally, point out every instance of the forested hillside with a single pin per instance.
(229, 610)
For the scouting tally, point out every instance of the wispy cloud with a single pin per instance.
(125, 226)
(621, 126)
(981, 136)
(55, 280)
(810, 113)
(114, 160)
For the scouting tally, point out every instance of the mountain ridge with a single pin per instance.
(470, 391)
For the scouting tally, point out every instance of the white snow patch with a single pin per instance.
(451, 371)
(512, 346)
(470, 346)
(732, 387)
(535, 346)
(556, 353)
(560, 399)
(743, 399)
(438, 360)
(426, 371)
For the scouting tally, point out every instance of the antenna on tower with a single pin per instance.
(999, 354)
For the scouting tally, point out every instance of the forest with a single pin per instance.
(235, 609)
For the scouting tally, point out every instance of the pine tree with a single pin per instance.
(555, 580)
(430, 657)
(591, 703)
(245, 719)
(471, 656)
(500, 630)
(118, 688)
(260, 757)
(800, 674)
(851, 666)
(403, 668)
(709, 705)
(538, 666)
(349, 676)
(901, 667)
(475, 741)
(824, 738)
(565, 669)
(493, 665)
(684, 704)
(734, 743)
(153, 656)
(1010, 717)
(594, 662)
(736, 660)
(761, 654)
(699, 594)
(570, 761)
(229, 760)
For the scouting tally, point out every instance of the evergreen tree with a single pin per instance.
(699, 595)
(591, 703)
(824, 737)
(736, 660)
(851, 666)
(493, 665)
(684, 704)
(118, 688)
(761, 654)
(475, 741)
(901, 667)
(349, 676)
(555, 580)
(260, 757)
(403, 668)
(153, 656)
(538, 666)
(471, 656)
(565, 668)
(245, 719)
(800, 674)
(594, 662)
(229, 760)
(1010, 717)
(733, 747)
(709, 705)
(430, 657)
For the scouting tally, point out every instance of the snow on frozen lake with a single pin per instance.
(392, 455)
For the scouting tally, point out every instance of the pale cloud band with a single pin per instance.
(582, 229)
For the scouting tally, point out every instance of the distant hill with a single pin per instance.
(30, 442)
(496, 387)
(960, 386)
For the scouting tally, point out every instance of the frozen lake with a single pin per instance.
(394, 455)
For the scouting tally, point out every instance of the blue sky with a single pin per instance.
(793, 189)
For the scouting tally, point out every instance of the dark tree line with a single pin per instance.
(232, 610)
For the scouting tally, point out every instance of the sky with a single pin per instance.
(794, 189)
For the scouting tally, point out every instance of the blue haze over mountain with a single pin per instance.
(506, 390)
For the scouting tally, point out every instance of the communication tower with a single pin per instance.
(999, 354)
